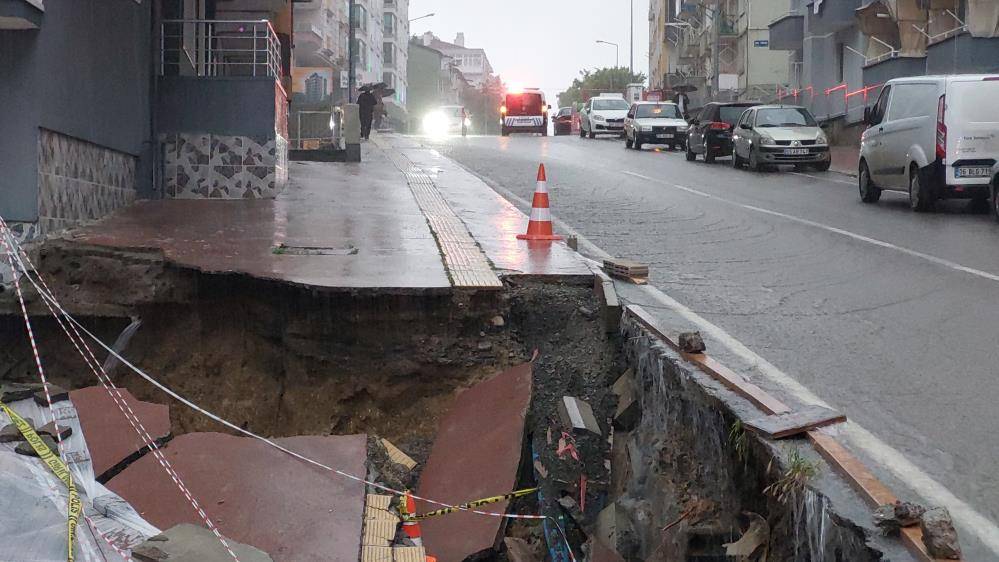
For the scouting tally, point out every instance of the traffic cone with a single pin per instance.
(410, 525)
(540, 226)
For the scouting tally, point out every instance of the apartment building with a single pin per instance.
(473, 62)
(395, 56)
(151, 99)
(662, 43)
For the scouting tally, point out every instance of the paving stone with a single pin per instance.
(11, 434)
(258, 495)
(14, 391)
(578, 415)
(25, 448)
(629, 409)
(779, 426)
(49, 429)
(191, 543)
(110, 438)
(475, 455)
(56, 394)
(691, 342)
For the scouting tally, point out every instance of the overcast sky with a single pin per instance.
(540, 43)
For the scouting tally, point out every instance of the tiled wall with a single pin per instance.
(79, 181)
(204, 166)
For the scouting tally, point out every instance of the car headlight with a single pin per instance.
(468, 122)
(681, 128)
(821, 138)
(645, 129)
(766, 140)
(599, 118)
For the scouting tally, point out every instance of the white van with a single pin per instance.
(933, 137)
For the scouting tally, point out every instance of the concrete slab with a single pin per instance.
(337, 206)
(258, 495)
(493, 221)
(475, 455)
(110, 438)
(190, 543)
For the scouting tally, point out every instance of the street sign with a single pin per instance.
(344, 79)
(761, 43)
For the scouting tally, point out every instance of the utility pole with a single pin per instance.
(351, 40)
(632, 40)
(717, 50)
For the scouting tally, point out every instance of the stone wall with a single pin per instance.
(205, 166)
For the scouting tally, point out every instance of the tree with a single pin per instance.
(593, 82)
(483, 104)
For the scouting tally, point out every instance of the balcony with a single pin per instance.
(831, 16)
(308, 28)
(787, 33)
(21, 14)
(214, 48)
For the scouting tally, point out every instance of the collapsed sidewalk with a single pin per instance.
(393, 299)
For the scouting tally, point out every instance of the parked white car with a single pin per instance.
(603, 115)
(932, 137)
(652, 122)
(769, 135)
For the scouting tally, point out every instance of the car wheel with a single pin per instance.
(822, 166)
(582, 132)
(591, 134)
(709, 155)
(627, 142)
(919, 193)
(736, 162)
(505, 132)
(638, 144)
(995, 199)
(754, 162)
(691, 155)
(869, 193)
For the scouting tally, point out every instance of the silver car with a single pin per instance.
(769, 135)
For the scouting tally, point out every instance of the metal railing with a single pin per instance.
(317, 130)
(213, 48)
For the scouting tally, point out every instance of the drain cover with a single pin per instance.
(314, 250)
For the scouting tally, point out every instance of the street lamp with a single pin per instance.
(421, 17)
(617, 59)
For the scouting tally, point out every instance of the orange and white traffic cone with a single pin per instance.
(410, 526)
(540, 226)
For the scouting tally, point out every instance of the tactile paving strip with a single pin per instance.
(466, 264)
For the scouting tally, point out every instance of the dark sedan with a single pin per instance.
(710, 132)
(563, 121)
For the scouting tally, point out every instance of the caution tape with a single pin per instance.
(474, 503)
(57, 467)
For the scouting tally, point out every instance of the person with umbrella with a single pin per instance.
(681, 99)
(366, 103)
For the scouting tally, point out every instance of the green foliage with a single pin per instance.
(593, 82)
(483, 105)
(793, 481)
(737, 438)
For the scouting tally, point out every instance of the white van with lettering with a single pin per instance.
(932, 137)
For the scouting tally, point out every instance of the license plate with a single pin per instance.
(664, 136)
(972, 172)
(794, 151)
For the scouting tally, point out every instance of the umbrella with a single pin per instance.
(685, 88)
(388, 92)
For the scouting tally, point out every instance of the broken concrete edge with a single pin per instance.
(124, 463)
(603, 288)
(743, 400)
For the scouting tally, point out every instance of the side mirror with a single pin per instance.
(695, 122)
(867, 115)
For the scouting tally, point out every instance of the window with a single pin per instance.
(389, 79)
(912, 100)
(878, 112)
(730, 113)
(658, 111)
(784, 117)
(840, 49)
(359, 19)
(389, 24)
(388, 54)
(609, 104)
(747, 118)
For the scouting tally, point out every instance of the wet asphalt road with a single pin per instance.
(865, 305)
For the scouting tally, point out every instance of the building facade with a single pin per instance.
(842, 52)
(395, 57)
(473, 62)
(434, 80)
(152, 99)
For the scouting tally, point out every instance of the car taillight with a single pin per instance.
(503, 109)
(941, 128)
(719, 126)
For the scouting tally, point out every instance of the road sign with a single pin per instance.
(761, 43)
(344, 79)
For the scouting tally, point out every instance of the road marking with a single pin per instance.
(860, 237)
(823, 178)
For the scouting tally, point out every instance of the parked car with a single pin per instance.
(769, 135)
(603, 114)
(524, 112)
(563, 121)
(654, 122)
(932, 137)
(710, 131)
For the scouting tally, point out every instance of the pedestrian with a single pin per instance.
(366, 105)
(682, 102)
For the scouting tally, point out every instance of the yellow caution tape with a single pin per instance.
(58, 468)
(473, 503)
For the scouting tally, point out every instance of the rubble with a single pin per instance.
(691, 342)
(25, 448)
(578, 415)
(11, 434)
(891, 517)
(519, 550)
(191, 543)
(13, 391)
(56, 394)
(753, 543)
(59, 434)
(939, 534)
(629, 409)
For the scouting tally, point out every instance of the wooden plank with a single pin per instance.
(396, 455)
(779, 426)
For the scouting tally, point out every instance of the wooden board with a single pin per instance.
(796, 422)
